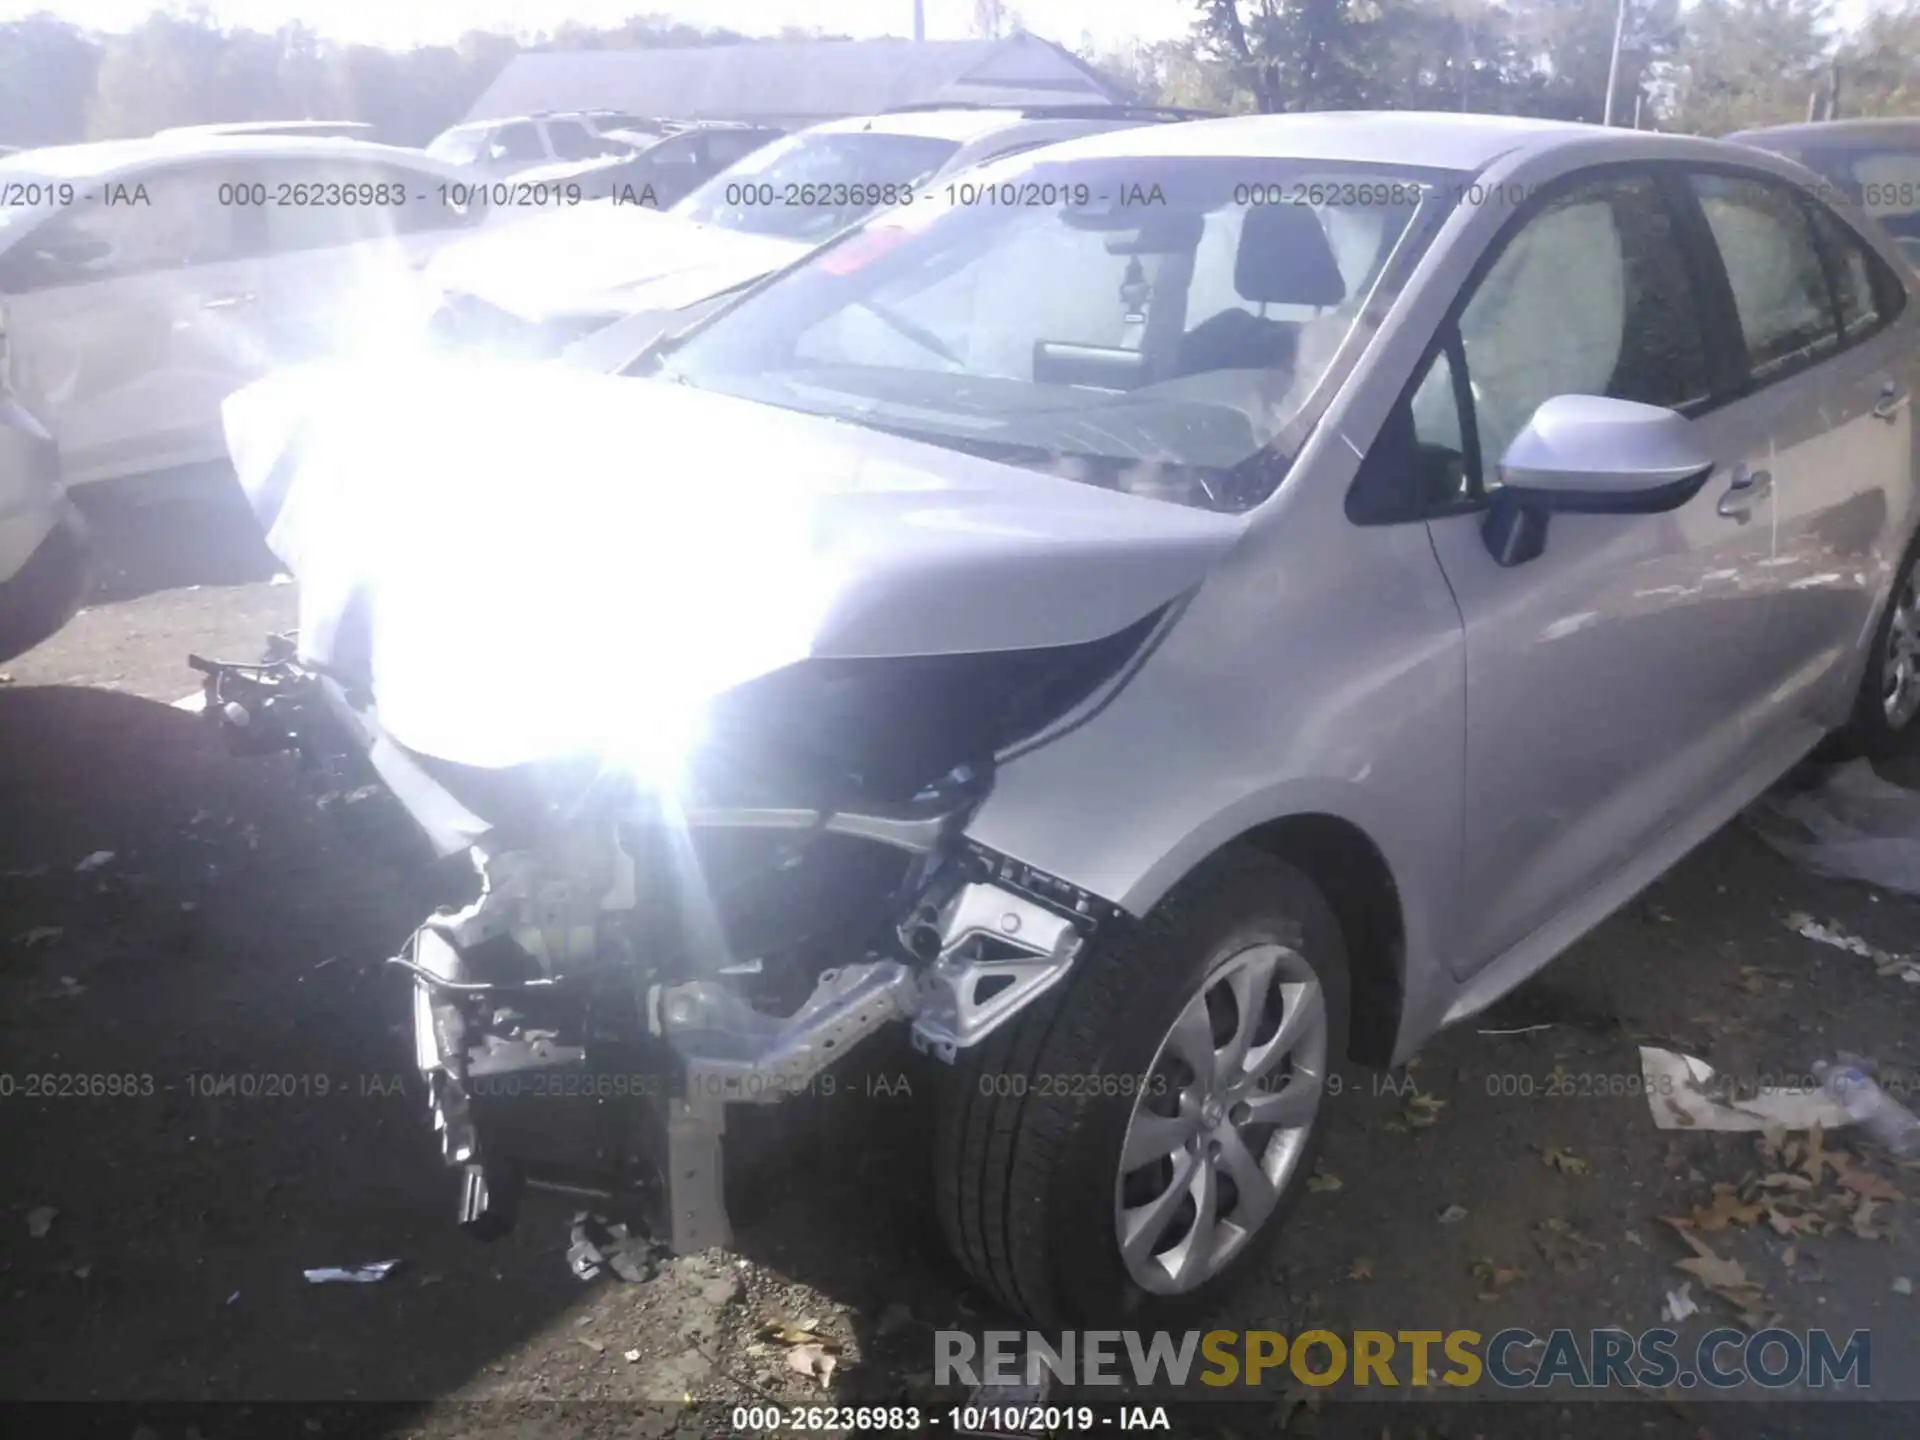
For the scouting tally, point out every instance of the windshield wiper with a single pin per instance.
(913, 331)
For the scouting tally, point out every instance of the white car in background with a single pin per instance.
(508, 146)
(143, 281)
(596, 282)
(43, 570)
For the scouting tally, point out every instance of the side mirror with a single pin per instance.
(1589, 455)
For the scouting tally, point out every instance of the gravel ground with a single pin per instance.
(239, 927)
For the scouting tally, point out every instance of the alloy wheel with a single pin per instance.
(1222, 1119)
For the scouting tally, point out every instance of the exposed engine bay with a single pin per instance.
(639, 952)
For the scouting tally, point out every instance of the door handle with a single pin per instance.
(1891, 402)
(1748, 486)
(226, 302)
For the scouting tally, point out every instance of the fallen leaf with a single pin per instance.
(1862, 1220)
(1423, 1110)
(1790, 1256)
(1816, 1161)
(1726, 1209)
(1855, 1176)
(1361, 1269)
(1565, 1161)
(1493, 1277)
(801, 1334)
(816, 1362)
(1452, 1215)
(40, 1220)
(1784, 1180)
(1324, 1183)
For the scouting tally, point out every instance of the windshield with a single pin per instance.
(807, 186)
(458, 147)
(1155, 326)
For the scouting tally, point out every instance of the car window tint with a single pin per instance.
(1590, 297)
(517, 142)
(1853, 269)
(139, 226)
(726, 146)
(1779, 287)
(570, 140)
(1439, 439)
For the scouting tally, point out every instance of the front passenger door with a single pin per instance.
(1611, 680)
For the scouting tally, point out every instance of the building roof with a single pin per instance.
(793, 80)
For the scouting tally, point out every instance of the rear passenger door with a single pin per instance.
(1615, 684)
(1827, 380)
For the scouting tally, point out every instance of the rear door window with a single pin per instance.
(1766, 242)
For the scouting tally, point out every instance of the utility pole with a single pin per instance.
(919, 19)
(1613, 65)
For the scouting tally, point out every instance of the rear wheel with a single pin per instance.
(1125, 1151)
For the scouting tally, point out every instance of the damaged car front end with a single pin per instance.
(715, 910)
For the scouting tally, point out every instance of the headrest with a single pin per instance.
(1285, 259)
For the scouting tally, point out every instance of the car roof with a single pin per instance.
(100, 159)
(1441, 140)
(1903, 129)
(960, 123)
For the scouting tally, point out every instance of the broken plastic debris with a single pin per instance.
(598, 1244)
(40, 1220)
(352, 1274)
(94, 862)
(1680, 1092)
(1679, 1304)
(1884, 963)
(1871, 1108)
(1848, 823)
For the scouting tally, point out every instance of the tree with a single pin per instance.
(1750, 62)
(1879, 67)
(1296, 54)
(46, 76)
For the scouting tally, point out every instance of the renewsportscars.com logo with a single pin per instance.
(1511, 1359)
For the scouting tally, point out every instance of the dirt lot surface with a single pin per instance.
(238, 928)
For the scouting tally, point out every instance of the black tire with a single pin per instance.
(1025, 1172)
(1869, 732)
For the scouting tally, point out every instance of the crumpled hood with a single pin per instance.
(528, 561)
(602, 258)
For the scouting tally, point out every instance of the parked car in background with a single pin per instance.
(312, 129)
(620, 272)
(142, 281)
(43, 549)
(1248, 613)
(659, 170)
(506, 147)
(1874, 163)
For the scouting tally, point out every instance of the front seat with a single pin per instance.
(1283, 259)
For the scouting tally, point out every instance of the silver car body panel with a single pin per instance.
(1524, 747)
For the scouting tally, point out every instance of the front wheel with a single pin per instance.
(1888, 704)
(1124, 1151)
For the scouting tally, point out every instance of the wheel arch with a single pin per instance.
(1348, 867)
